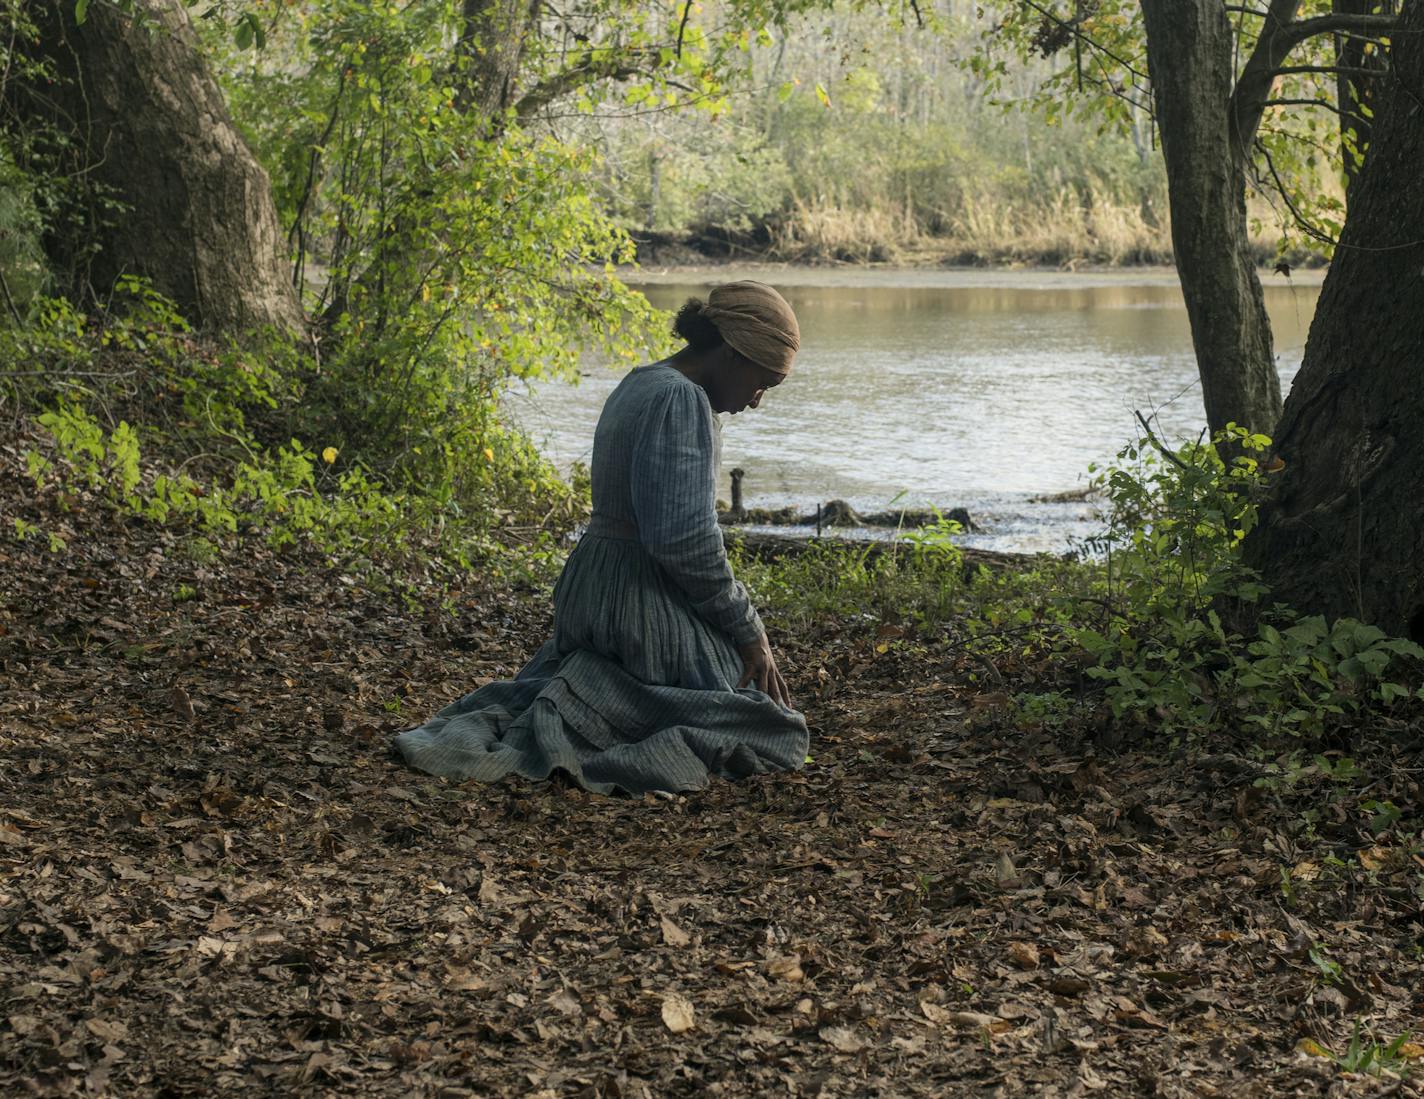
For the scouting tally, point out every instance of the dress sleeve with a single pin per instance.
(675, 506)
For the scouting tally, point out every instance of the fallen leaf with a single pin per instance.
(674, 935)
(109, 1031)
(1024, 955)
(843, 1039)
(182, 704)
(564, 1003)
(221, 921)
(678, 1014)
(785, 969)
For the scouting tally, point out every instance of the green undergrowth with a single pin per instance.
(1156, 626)
(130, 408)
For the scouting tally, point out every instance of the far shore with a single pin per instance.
(932, 278)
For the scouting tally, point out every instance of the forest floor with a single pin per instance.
(215, 879)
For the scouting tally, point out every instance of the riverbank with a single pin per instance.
(933, 277)
(1068, 249)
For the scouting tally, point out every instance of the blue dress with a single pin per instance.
(636, 690)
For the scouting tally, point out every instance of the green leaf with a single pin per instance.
(81, 10)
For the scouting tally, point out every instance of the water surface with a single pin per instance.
(976, 389)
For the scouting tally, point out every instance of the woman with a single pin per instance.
(659, 673)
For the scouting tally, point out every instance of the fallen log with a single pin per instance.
(777, 547)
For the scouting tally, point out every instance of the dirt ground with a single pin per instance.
(215, 879)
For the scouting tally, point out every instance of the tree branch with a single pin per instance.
(1258, 74)
(1346, 70)
(1072, 26)
(1281, 34)
(1339, 22)
(580, 75)
(1157, 443)
(1301, 103)
(682, 27)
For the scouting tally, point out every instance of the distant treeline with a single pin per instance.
(859, 140)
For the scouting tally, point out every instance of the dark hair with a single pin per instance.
(693, 327)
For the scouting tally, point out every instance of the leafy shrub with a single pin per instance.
(1173, 569)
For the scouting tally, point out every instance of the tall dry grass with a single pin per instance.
(1065, 229)
(817, 230)
(1062, 230)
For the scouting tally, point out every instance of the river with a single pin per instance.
(979, 389)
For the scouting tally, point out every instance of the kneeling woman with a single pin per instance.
(659, 673)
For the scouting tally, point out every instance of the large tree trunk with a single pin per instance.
(150, 128)
(1343, 531)
(1362, 64)
(1189, 57)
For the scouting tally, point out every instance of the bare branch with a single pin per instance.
(1341, 22)
(584, 73)
(1329, 106)
(1345, 70)
(1156, 442)
(682, 27)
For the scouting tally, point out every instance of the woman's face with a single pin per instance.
(738, 383)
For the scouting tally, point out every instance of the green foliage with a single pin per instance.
(1173, 568)
(1138, 633)
(454, 258)
(181, 441)
(1372, 1056)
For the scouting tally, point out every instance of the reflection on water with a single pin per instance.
(980, 396)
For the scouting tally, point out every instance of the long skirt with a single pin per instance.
(634, 692)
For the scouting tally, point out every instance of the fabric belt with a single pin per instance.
(606, 526)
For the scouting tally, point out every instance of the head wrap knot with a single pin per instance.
(757, 322)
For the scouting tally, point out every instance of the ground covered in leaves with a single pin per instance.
(214, 878)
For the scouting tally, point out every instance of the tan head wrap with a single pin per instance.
(756, 321)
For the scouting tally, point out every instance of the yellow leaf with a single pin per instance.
(1411, 1051)
(489, 454)
(1311, 1048)
(328, 455)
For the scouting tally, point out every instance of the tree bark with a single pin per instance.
(1189, 57)
(1357, 93)
(149, 126)
(492, 47)
(1343, 530)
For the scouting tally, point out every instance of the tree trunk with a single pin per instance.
(149, 127)
(1356, 91)
(1343, 530)
(492, 47)
(1189, 57)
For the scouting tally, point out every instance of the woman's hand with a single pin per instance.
(760, 671)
